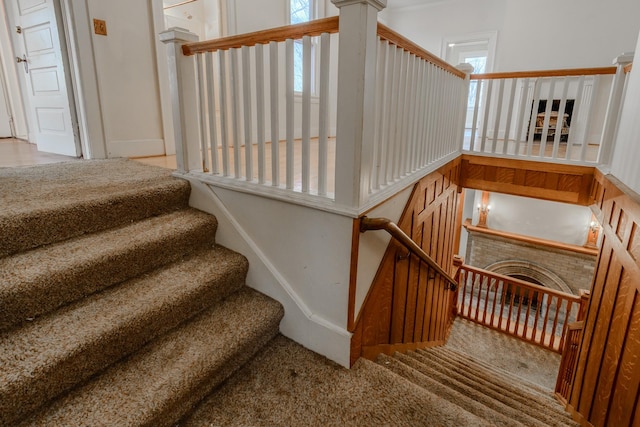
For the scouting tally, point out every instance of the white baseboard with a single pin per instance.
(135, 148)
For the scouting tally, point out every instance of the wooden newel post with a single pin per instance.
(585, 297)
(612, 118)
(356, 99)
(184, 99)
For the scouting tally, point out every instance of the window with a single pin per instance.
(300, 11)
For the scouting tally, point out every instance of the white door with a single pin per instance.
(40, 53)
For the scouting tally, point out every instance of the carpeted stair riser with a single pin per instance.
(496, 383)
(65, 214)
(522, 412)
(41, 280)
(160, 383)
(476, 392)
(465, 402)
(497, 376)
(477, 364)
(56, 352)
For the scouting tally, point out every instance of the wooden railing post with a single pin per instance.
(585, 297)
(356, 99)
(612, 118)
(467, 69)
(184, 99)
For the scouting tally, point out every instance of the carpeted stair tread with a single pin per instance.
(424, 380)
(289, 385)
(476, 393)
(41, 359)
(493, 372)
(161, 382)
(49, 203)
(496, 387)
(38, 281)
(508, 376)
(496, 399)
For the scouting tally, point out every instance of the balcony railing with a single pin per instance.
(565, 116)
(535, 314)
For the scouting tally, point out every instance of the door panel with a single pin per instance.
(52, 119)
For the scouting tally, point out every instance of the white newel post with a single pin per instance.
(184, 99)
(612, 118)
(467, 69)
(356, 99)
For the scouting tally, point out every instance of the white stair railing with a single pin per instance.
(352, 133)
(566, 116)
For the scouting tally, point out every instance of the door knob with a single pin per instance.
(24, 61)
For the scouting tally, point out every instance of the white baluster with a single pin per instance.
(510, 108)
(213, 131)
(560, 119)
(575, 117)
(289, 96)
(523, 112)
(275, 119)
(224, 123)
(248, 122)
(202, 95)
(306, 112)
(323, 121)
(260, 111)
(496, 129)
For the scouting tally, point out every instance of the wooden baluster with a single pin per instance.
(259, 54)
(474, 279)
(481, 281)
(545, 323)
(496, 286)
(275, 119)
(513, 293)
(323, 121)
(555, 321)
(521, 294)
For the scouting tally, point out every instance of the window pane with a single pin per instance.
(300, 11)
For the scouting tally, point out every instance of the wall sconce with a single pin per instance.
(592, 233)
(484, 209)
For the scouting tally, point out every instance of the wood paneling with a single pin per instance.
(606, 386)
(540, 180)
(409, 304)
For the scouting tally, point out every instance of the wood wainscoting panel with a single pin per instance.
(606, 386)
(540, 180)
(409, 304)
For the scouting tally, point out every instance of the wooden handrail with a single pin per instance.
(627, 68)
(524, 284)
(395, 38)
(546, 73)
(279, 34)
(396, 232)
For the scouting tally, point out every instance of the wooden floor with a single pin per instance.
(15, 152)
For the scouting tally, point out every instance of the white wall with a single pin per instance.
(297, 255)
(627, 149)
(560, 222)
(532, 35)
(127, 77)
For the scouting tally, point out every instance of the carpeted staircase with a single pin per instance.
(487, 392)
(118, 309)
(116, 305)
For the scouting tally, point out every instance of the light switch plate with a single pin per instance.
(100, 27)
